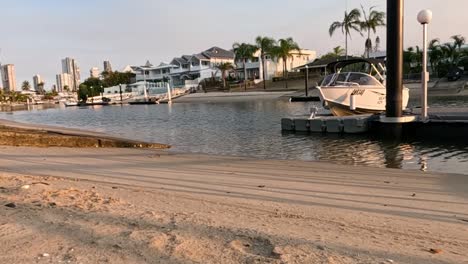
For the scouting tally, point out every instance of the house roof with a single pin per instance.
(186, 57)
(149, 66)
(216, 52)
(200, 56)
(178, 60)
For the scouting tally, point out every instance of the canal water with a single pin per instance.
(251, 127)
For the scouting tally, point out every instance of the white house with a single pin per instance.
(273, 66)
(200, 66)
(151, 73)
(185, 70)
(189, 70)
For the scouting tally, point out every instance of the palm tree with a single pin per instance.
(377, 44)
(416, 56)
(450, 52)
(459, 41)
(284, 51)
(225, 67)
(244, 52)
(338, 51)
(265, 45)
(350, 22)
(371, 22)
(435, 55)
(25, 86)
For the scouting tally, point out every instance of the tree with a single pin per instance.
(377, 44)
(66, 88)
(115, 78)
(350, 22)
(338, 51)
(95, 85)
(335, 53)
(244, 52)
(371, 22)
(83, 93)
(450, 52)
(435, 55)
(284, 51)
(266, 46)
(225, 67)
(414, 57)
(25, 86)
(458, 41)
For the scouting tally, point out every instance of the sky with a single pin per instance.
(36, 34)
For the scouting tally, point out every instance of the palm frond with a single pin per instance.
(335, 25)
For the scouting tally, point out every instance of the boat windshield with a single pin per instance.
(327, 79)
(350, 79)
(362, 79)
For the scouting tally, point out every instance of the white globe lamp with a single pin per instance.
(425, 16)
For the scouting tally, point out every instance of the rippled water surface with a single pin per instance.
(249, 128)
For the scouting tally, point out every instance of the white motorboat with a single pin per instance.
(70, 103)
(356, 86)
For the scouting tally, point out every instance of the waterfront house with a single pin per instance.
(197, 67)
(185, 71)
(151, 73)
(273, 66)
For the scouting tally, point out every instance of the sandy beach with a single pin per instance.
(97, 205)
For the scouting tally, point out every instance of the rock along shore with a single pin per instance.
(19, 134)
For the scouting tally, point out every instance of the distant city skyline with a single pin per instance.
(107, 31)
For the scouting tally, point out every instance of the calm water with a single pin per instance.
(250, 128)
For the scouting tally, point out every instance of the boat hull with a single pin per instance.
(143, 102)
(344, 110)
(367, 100)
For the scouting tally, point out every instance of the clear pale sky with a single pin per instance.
(37, 34)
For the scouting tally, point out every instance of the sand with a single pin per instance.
(152, 206)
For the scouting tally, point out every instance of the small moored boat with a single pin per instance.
(356, 86)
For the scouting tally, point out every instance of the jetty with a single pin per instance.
(448, 124)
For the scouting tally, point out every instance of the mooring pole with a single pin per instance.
(120, 91)
(307, 80)
(394, 58)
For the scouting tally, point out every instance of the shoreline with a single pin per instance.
(38, 135)
(230, 97)
(152, 206)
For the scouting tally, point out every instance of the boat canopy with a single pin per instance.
(350, 79)
(335, 66)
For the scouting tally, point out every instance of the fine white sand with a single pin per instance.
(146, 206)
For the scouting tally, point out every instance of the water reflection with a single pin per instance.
(248, 128)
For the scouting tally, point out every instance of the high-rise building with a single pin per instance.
(36, 81)
(64, 82)
(70, 66)
(107, 66)
(94, 72)
(8, 77)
